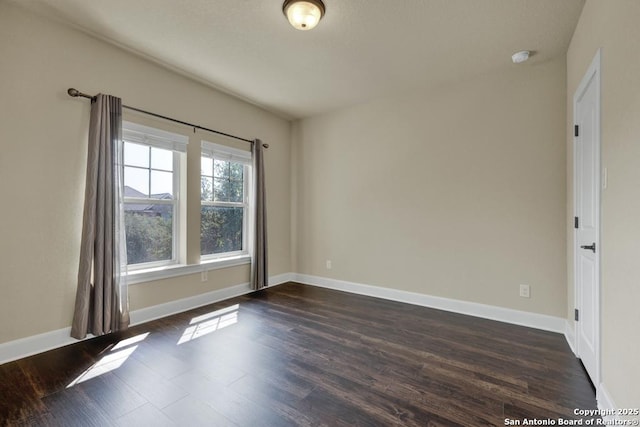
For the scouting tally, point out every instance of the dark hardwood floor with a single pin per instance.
(300, 355)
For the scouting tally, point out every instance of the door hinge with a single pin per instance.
(577, 314)
(576, 222)
(576, 130)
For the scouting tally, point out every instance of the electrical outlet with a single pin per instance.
(525, 291)
(329, 264)
(204, 275)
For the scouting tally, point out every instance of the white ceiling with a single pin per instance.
(361, 50)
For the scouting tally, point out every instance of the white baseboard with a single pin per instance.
(507, 315)
(35, 344)
(606, 404)
(159, 311)
(154, 312)
(281, 278)
(570, 336)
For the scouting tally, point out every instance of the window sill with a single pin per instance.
(176, 270)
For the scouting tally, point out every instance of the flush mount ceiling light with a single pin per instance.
(520, 57)
(303, 14)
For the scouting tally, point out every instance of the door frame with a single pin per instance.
(592, 73)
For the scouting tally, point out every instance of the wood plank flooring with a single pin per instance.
(300, 355)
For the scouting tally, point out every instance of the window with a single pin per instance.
(151, 196)
(224, 200)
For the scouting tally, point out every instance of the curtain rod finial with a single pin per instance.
(73, 92)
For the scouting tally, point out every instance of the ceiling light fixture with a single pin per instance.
(303, 14)
(520, 57)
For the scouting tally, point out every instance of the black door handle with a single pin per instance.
(591, 247)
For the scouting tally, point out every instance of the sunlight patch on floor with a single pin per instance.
(209, 323)
(112, 360)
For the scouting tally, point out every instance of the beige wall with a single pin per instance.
(458, 193)
(42, 164)
(613, 26)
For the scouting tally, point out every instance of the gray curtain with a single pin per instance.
(259, 273)
(101, 298)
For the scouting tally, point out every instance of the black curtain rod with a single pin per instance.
(76, 93)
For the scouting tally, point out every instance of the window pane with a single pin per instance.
(221, 190)
(161, 184)
(206, 166)
(161, 159)
(136, 155)
(206, 189)
(236, 188)
(221, 169)
(220, 229)
(236, 171)
(149, 231)
(136, 182)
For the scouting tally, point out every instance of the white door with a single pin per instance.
(587, 222)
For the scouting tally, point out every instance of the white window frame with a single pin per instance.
(153, 137)
(213, 151)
